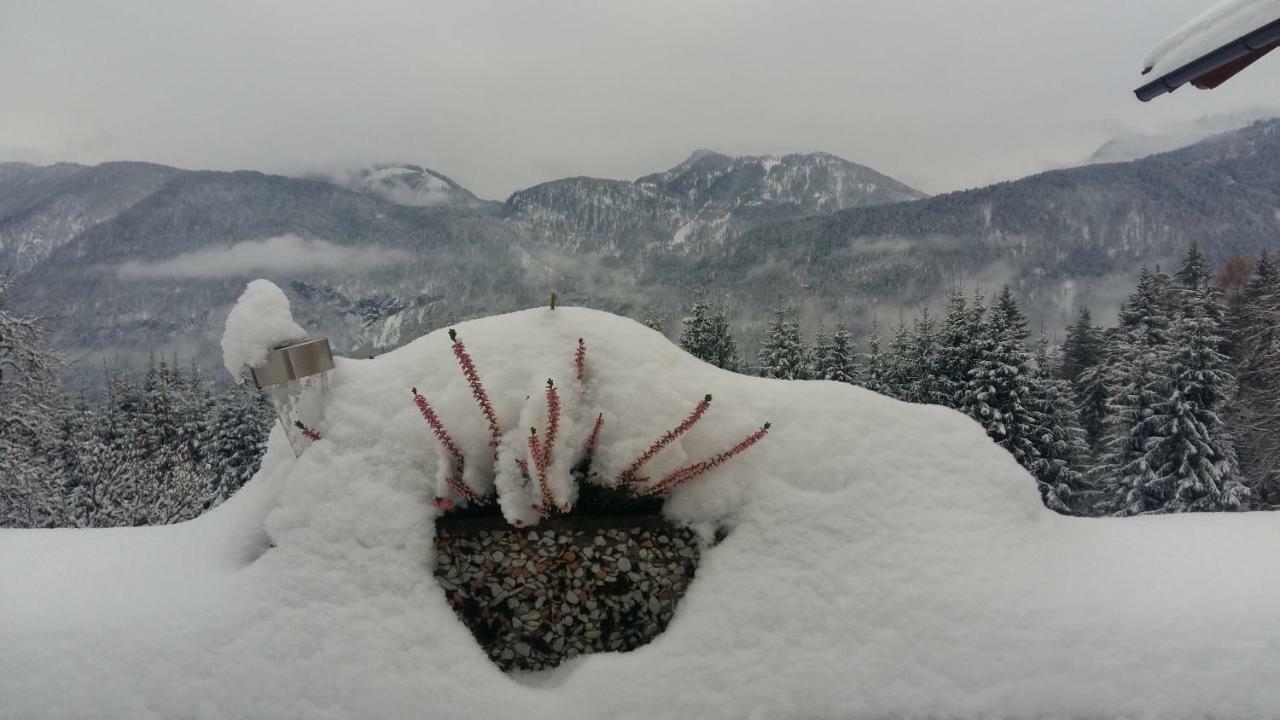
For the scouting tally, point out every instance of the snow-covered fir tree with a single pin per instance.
(1004, 395)
(1167, 447)
(29, 403)
(1128, 483)
(1254, 415)
(1083, 369)
(1194, 273)
(1060, 442)
(1190, 450)
(652, 318)
(1146, 314)
(707, 336)
(783, 355)
(157, 451)
(834, 358)
(1137, 380)
(901, 371)
(921, 358)
(957, 348)
(242, 419)
(873, 371)
(818, 352)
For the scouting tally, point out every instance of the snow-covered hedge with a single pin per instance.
(886, 560)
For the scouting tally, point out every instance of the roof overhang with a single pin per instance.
(1212, 69)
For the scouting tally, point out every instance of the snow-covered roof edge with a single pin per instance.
(1231, 33)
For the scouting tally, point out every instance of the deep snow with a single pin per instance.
(260, 321)
(886, 560)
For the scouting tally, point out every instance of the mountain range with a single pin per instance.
(131, 257)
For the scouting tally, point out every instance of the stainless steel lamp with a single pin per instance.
(296, 378)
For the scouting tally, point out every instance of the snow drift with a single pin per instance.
(885, 560)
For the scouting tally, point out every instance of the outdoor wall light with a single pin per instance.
(296, 378)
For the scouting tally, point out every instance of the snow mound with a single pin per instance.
(259, 321)
(885, 560)
(1221, 24)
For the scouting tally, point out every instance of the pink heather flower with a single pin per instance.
(594, 438)
(580, 361)
(553, 424)
(477, 388)
(307, 432)
(685, 474)
(540, 463)
(446, 441)
(629, 475)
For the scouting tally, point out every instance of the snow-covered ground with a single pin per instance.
(886, 560)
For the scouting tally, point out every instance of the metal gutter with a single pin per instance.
(1259, 41)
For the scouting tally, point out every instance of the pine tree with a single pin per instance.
(1129, 483)
(1135, 379)
(784, 355)
(817, 357)
(1254, 414)
(1060, 441)
(901, 371)
(1082, 348)
(1191, 452)
(29, 404)
(873, 373)
(194, 405)
(1005, 394)
(652, 318)
(1083, 369)
(921, 359)
(242, 419)
(1167, 449)
(962, 326)
(1147, 311)
(707, 336)
(1194, 273)
(833, 356)
(726, 354)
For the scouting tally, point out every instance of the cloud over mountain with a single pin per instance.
(281, 255)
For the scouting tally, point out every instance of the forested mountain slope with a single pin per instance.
(129, 257)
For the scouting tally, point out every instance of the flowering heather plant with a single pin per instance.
(539, 455)
(628, 476)
(580, 362)
(685, 474)
(553, 423)
(307, 432)
(477, 388)
(631, 493)
(594, 438)
(451, 448)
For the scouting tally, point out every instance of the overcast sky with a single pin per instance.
(942, 94)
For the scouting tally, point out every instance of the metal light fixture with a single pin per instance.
(296, 378)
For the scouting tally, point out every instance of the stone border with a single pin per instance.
(534, 597)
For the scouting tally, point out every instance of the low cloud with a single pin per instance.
(281, 255)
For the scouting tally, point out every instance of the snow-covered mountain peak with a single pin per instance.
(815, 182)
(705, 200)
(408, 184)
